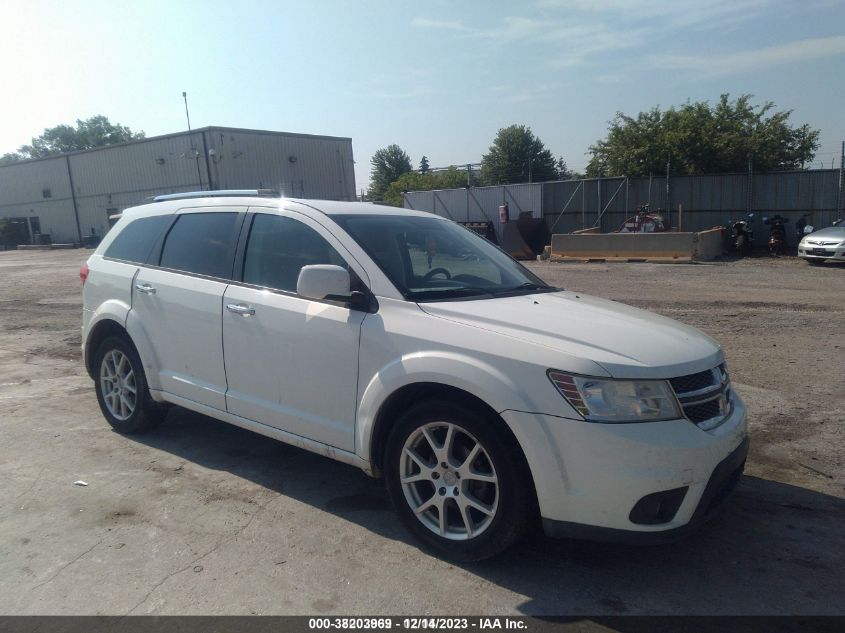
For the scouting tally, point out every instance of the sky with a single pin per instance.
(437, 78)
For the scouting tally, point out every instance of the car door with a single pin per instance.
(178, 302)
(291, 363)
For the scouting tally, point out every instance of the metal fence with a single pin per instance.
(692, 203)
(479, 204)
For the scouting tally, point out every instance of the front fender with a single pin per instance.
(448, 368)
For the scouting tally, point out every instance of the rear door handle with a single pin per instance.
(239, 308)
(146, 289)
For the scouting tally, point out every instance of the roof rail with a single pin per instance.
(220, 193)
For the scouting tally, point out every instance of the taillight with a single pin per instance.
(83, 273)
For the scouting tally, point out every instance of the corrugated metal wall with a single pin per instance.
(707, 201)
(108, 180)
(299, 166)
(39, 189)
(479, 204)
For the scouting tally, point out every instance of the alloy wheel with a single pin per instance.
(117, 381)
(449, 481)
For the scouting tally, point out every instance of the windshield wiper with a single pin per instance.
(528, 286)
(449, 293)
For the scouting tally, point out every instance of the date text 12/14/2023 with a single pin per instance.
(417, 623)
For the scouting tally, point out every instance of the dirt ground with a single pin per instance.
(201, 517)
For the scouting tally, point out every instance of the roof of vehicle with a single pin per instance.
(339, 207)
(327, 207)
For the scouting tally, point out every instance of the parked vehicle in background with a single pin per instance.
(406, 345)
(826, 244)
(742, 235)
(777, 234)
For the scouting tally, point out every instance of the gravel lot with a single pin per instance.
(202, 517)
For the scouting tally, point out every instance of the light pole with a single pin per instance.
(191, 140)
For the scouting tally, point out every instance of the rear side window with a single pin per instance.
(135, 242)
(201, 243)
(279, 247)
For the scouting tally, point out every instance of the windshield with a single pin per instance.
(429, 259)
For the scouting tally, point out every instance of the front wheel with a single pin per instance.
(457, 482)
(121, 388)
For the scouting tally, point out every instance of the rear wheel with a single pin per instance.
(121, 388)
(456, 481)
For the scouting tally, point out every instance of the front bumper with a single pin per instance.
(589, 477)
(723, 480)
(821, 253)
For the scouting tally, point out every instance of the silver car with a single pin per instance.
(822, 245)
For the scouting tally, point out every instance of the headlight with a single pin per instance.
(613, 401)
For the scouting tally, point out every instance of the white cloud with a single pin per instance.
(573, 32)
(738, 62)
(662, 16)
(447, 25)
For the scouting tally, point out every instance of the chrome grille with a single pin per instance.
(704, 396)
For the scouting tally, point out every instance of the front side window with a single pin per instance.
(136, 240)
(201, 243)
(279, 247)
(429, 259)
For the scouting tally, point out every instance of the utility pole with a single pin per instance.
(650, 174)
(668, 199)
(750, 184)
(840, 199)
(191, 140)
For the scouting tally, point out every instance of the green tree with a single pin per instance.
(516, 155)
(96, 131)
(424, 166)
(562, 169)
(701, 138)
(388, 164)
(9, 158)
(451, 178)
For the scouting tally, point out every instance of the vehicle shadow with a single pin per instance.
(776, 549)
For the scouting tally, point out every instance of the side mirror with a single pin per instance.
(324, 281)
(808, 229)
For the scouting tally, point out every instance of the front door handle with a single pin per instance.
(146, 289)
(240, 308)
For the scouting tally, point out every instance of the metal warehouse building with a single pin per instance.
(71, 196)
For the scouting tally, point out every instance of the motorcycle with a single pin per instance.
(742, 235)
(644, 222)
(777, 234)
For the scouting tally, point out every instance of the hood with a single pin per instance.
(829, 234)
(627, 342)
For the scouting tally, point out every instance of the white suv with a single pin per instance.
(406, 345)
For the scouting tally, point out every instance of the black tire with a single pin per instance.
(515, 502)
(146, 413)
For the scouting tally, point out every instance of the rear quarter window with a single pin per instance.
(135, 241)
(201, 243)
